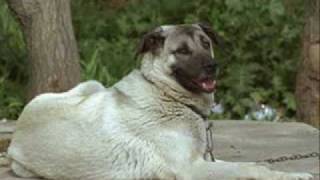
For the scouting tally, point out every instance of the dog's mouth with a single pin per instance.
(206, 84)
(201, 83)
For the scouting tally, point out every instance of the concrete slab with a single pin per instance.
(247, 141)
(255, 141)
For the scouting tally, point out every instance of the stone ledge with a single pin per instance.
(6, 129)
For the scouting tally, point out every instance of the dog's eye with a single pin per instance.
(206, 44)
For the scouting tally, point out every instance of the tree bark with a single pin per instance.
(308, 77)
(53, 56)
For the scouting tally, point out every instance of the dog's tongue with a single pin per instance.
(207, 85)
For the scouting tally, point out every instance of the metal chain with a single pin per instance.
(209, 155)
(291, 157)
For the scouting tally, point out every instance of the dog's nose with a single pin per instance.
(211, 66)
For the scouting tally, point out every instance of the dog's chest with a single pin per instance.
(178, 128)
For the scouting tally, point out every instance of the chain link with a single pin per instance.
(209, 155)
(291, 157)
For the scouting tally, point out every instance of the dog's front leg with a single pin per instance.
(242, 171)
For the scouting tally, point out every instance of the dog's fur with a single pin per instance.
(150, 125)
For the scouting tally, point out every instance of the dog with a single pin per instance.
(149, 125)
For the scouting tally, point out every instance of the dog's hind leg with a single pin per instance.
(21, 171)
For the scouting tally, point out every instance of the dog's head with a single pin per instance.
(184, 53)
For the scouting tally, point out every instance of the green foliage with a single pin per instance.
(12, 65)
(258, 63)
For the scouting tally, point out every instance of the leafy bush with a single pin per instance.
(258, 63)
(12, 65)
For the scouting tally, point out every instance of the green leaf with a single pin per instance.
(235, 4)
(276, 9)
(289, 100)
(256, 96)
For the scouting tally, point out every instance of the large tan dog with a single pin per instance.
(150, 125)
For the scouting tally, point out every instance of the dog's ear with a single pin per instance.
(151, 42)
(215, 38)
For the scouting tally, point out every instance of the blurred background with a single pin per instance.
(258, 64)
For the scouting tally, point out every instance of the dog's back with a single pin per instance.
(80, 135)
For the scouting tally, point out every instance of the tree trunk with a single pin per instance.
(53, 56)
(308, 77)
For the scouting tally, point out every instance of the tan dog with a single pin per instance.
(150, 125)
